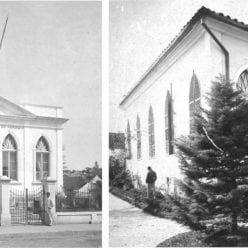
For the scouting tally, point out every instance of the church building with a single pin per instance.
(161, 106)
(31, 143)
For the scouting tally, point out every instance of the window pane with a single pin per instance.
(12, 157)
(45, 167)
(5, 163)
(45, 174)
(45, 157)
(13, 165)
(38, 166)
(13, 171)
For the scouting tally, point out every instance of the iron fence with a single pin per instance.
(76, 200)
(26, 206)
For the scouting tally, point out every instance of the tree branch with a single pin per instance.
(212, 142)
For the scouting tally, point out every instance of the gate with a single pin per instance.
(26, 206)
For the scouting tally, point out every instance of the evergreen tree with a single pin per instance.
(214, 160)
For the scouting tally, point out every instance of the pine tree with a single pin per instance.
(214, 161)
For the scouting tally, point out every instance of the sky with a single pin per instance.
(140, 30)
(51, 55)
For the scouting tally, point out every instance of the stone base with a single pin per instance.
(93, 219)
(79, 217)
(5, 220)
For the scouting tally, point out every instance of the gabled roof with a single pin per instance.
(8, 108)
(12, 110)
(201, 13)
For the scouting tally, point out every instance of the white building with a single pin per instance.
(160, 107)
(31, 143)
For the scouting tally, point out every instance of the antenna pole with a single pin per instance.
(3, 32)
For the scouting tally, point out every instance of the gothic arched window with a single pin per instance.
(9, 157)
(138, 137)
(242, 83)
(194, 100)
(151, 133)
(42, 159)
(169, 126)
(129, 148)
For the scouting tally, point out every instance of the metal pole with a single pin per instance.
(3, 32)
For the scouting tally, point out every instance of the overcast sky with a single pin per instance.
(140, 30)
(52, 55)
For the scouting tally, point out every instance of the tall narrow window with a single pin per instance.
(194, 100)
(169, 126)
(42, 159)
(129, 148)
(242, 83)
(151, 133)
(138, 137)
(9, 157)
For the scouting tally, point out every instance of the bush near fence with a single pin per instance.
(75, 200)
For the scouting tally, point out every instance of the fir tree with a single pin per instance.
(214, 160)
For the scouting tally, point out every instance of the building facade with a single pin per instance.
(161, 106)
(31, 143)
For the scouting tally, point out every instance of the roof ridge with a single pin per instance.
(201, 12)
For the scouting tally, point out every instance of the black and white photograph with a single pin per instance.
(50, 124)
(178, 123)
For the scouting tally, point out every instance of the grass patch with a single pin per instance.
(193, 239)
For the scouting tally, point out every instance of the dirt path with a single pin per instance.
(129, 226)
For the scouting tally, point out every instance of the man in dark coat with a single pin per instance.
(150, 180)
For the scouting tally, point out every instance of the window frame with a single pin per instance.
(243, 85)
(169, 125)
(129, 144)
(8, 151)
(41, 156)
(151, 133)
(138, 133)
(194, 100)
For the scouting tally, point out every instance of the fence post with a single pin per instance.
(5, 217)
(49, 185)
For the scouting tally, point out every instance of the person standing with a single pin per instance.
(150, 180)
(49, 210)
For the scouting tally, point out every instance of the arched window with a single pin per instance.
(9, 157)
(129, 148)
(242, 83)
(151, 133)
(194, 100)
(42, 159)
(169, 126)
(138, 137)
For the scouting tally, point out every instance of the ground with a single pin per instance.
(129, 226)
(70, 235)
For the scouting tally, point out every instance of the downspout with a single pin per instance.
(226, 54)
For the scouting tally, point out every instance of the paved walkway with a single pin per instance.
(47, 229)
(71, 235)
(131, 227)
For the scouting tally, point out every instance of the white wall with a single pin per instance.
(42, 110)
(26, 140)
(207, 61)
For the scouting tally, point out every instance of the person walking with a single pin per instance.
(150, 180)
(49, 210)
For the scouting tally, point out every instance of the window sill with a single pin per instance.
(15, 183)
(37, 183)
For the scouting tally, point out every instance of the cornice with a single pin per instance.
(34, 122)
